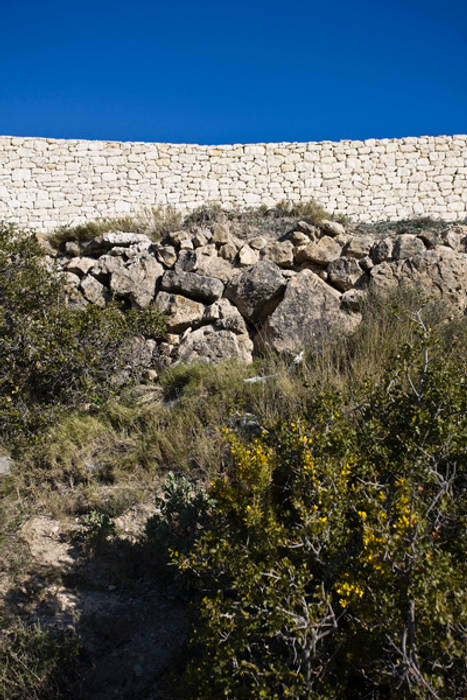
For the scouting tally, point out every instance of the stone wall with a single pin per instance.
(49, 182)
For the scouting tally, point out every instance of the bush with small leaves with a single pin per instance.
(332, 564)
(181, 511)
(53, 356)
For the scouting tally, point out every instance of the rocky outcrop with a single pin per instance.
(223, 294)
(309, 309)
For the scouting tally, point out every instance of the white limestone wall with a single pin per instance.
(45, 183)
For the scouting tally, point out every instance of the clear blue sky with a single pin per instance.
(217, 72)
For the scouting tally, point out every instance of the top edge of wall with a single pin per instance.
(369, 141)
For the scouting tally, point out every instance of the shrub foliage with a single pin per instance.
(51, 354)
(332, 564)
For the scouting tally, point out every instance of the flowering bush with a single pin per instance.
(332, 565)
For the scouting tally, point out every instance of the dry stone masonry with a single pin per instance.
(45, 183)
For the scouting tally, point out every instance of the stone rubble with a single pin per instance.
(270, 291)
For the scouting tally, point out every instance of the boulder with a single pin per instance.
(322, 252)
(299, 238)
(80, 266)
(228, 252)
(310, 308)
(358, 246)
(429, 237)
(281, 253)
(94, 291)
(220, 232)
(200, 238)
(353, 299)
(181, 312)
(167, 255)
(344, 273)
(309, 229)
(247, 256)
(366, 263)
(225, 316)
(407, 246)
(187, 261)
(136, 281)
(105, 266)
(332, 228)
(440, 272)
(213, 266)
(258, 243)
(190, 284)
(382, 279)
(186, 244)
(105, 241)
(210, 344)
(456, 237)
(257, 290)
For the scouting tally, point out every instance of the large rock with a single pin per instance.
(323, 252)
(110, 239)
(136, 281)
(213, 266)
(198, 287)
(281, 253)
(332, 228)
(256, 291)
(309, 309)
(167, 255)
(187, 261)
(94, 291)
(440, 272)
(359, 246)
(105, 266)
(80, 266)
(456, 237)
(181, 312)
(407, 246)
(225, 316)
(220, 232)
(344, 273)
(247, 256)
(382, 279)
(211, 344)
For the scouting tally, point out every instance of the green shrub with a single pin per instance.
(180, 512)
(332, 564)
(51, 355)
(96, 528)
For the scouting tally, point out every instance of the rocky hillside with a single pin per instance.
(230, 293)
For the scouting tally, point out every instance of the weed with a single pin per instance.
(36, 662)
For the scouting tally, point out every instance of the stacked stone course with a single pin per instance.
(45, 183)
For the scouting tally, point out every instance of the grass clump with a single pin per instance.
(310, 210)
(155, 223)
(413, 226)
(37, 663)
